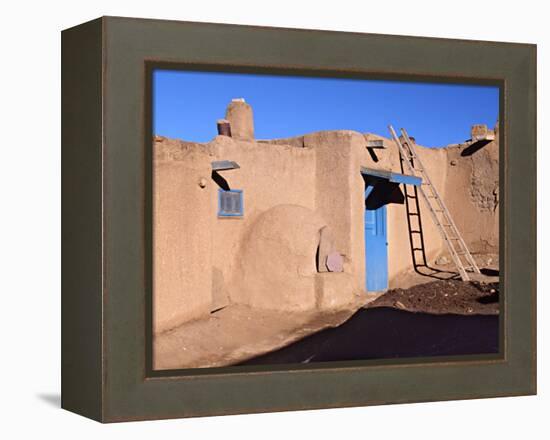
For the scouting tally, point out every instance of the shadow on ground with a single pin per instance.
(52, 399)
(490, 272)
(437, 274)
(384, 333)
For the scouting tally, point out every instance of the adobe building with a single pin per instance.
(302, 224)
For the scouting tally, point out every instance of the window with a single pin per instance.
(230, 203)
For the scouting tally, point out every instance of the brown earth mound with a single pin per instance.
(440, 297)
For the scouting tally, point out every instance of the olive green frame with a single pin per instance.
(106, 219)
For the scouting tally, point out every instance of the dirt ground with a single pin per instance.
(237, 333)
(444, 296)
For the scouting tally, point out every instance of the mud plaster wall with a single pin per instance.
(269, 175)
(338, 194)
(399, 250)
(468, 184)
(472, 189)
(292, 189)
(339, 156)
(275, 268)
(182, 234)
(399, 254)
(320, 173)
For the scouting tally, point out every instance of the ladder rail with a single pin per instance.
(443, 233)
(426, 178)
(437, 196)
(448, 216)
(448, 242)
(410, 156)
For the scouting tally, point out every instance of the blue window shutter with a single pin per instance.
(230, 203)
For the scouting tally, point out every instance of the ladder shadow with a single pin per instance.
(416, 236)
(438, 274)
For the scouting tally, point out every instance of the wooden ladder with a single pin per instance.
(460, 254)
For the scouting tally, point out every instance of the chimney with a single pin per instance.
(240, 117)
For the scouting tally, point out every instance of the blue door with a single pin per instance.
(376, 247)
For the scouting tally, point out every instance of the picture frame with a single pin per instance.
(107, 219)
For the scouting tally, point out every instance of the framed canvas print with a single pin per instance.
(262, 219)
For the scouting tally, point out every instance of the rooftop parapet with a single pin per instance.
(480, 132)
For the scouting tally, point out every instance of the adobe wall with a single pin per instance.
(198, 256)
(339, 195)
(472, 188)
(339, 200)
(269, 175)
(182, 233)
(292, 188)
(275, 266)
(296, 186)
(399, 252)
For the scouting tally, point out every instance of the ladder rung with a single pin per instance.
(442, 221)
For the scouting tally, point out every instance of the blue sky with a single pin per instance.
(187, 104)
